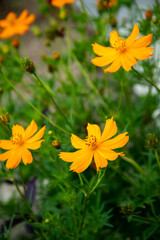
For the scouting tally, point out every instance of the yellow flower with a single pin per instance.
(61, 3)
(12, 25)
(20, 142)
(95, 145)
(124, 52)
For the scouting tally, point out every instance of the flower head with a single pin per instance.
(12, 25)
(19, 143)
(124, 52)
(95, 145)
(60, 3)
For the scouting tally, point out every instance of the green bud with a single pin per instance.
(4, 116)
(151, 141)
(27, 65)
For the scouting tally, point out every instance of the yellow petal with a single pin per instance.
(110, 130)
(6, 144)
(23, 15)
(83, 161)
(132, 37)
(107, 153)
(126, 62)
(14, 160)
(103, 61)
(11, 16)
(26, 156)
(100, 161)
(29, 19)
(17, 129)
(33, 145)
(114, 66)
(94, 129)
(30, 130)
(116, 142)
(37, 136)
(103, 51)
(71, 156)
(141, 53)
(6, 155)
(142, 41)
(113, 38)
(77, 142)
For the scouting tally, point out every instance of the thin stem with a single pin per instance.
(100, 176)
(135, 164)
(157, 157)
(121, 96)
(35, 108)
(84, 214)
(80, 178)
(48, 91)
(23, 185)
(149, 81)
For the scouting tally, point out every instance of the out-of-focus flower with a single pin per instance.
(20, 142)
(148, 14)
(55, 144)
(56, 55)
(103, 4)
(12, 25)
(15, 42)
(1, 59)
(124, 52)
(95, 145)
(61, 3)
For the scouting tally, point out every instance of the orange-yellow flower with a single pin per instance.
(20, 142)
(96, 145)
(124, 52)
(12, 25)
(61, 3)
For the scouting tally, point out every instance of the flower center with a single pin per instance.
(120, 44)
(17, 139)
(91, 141)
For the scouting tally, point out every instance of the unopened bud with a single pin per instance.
(126, 209)
(148, 14)
(4, 117)
(1, 59)
(56, 55)
(15, 42)
(55, 144)
(47, 43)
(63, 14)
(51, 68)
(36, 31)
(27, 65)
(1, 90)
(151, 141)
(50, 132)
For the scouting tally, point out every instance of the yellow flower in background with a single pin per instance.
(95, 145)
(12, 25)
(124, 52)
(20, 142)
(61, 3)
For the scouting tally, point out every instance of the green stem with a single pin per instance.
(135, 164)
(121, 96)
(80, 178)
(100, 176)
(149, 81)
(36, 109)
(48, 91)
(84, 214)
(157, 157)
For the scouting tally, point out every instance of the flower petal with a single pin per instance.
(33, 145)
(94, 129)
(37, 136)
(70, 156)
(23, 15)
(105, 60)
(17, 129)
(83, 161)
(14, 160)
(132, 37)
(77, 142)
(29, 19)
(116, 142)
(103, 51)
(100, 161)
(6, 144)
(6, 155)
(114, 66)
(107, 153)
(26, 156)
(126, 63)
(110, 130)
(30, 130)
(142, 41)
(113, 38)
(141, 53)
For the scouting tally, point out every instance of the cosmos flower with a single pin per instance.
(95, 145)
(20, 142)
(124, 52)
(12, 25)
(61, 3)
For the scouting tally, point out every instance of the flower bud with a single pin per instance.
(56, 55)
(1, 59)
(63, 14)
(55, 144)
(126, 209)
(4, 117)
(15, 42)
(148, 14)
(36, 31)
(47, 43)
(27, 65)
(151, 141)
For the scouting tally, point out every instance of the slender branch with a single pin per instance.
(157, 157)
(149, 81)
(135, 164)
